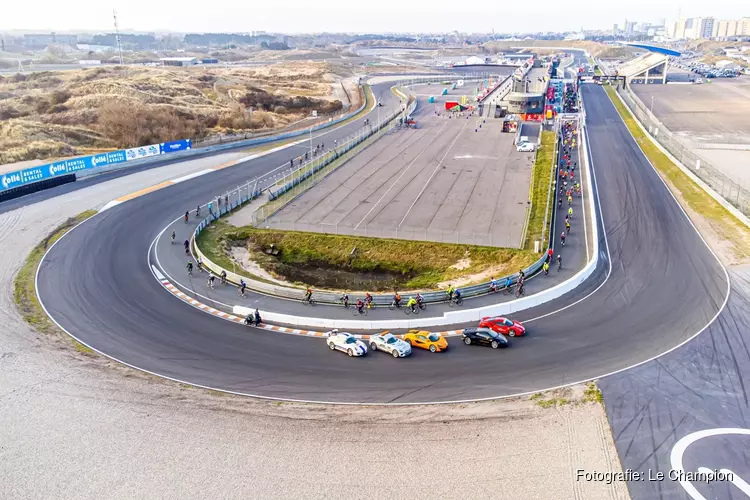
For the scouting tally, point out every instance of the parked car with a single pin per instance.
(484, 336)
(525, 147)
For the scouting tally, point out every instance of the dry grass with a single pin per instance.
(53, 114)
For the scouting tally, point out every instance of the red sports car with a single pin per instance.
(503, 325)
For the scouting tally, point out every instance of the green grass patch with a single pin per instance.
(539, 189)
(549, 403)
(327, 259)
(592, 394)
(721, 219)
(24, 286)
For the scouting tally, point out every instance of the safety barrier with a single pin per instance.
(333, 298)
(459, 316)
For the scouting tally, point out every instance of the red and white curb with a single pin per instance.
(237, 319)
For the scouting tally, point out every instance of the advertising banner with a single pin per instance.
(142, 152)
(171, 147)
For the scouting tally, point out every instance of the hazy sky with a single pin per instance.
(294, 16)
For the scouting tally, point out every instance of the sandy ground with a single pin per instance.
(440, 182)
(75, 426)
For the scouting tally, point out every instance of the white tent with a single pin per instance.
(474, 60)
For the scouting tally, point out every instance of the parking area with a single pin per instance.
(716, 112)
(439, 182)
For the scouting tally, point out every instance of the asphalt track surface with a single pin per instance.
(456, 178)
(657, 284)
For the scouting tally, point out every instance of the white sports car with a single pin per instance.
(387, 342)
(346, 342)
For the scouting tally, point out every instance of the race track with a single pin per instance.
(656, 286)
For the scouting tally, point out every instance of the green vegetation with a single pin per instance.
(721, 220)
(541, 178)
(548, 403)
(24, 285)
(326, 260)
(592, 394)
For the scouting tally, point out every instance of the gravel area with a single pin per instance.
(77, 426)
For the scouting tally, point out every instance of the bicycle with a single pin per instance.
(394, 305)
(456, 301)
(344, 302)
(172, 242)
(309, 301)
(411, 309)
(519, 291)
(360, 311)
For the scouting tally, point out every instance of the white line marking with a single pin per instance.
(400, 176)
(109, 205)
(192, 176)
(434, 172)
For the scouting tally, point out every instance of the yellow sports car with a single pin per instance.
(434, 342)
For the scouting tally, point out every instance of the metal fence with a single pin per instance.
(731, 190)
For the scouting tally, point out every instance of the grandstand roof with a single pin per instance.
(654, 48)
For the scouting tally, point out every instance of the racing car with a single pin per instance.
(434, 342)
(484, 336)
(501, 324)
(387, 342)
(346, 342)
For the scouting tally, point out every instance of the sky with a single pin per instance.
(381, 16)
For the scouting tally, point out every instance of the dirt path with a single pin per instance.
(75, 426)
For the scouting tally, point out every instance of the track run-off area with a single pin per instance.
(656, 286)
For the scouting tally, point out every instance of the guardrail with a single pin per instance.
(236, 199)
(459, 316)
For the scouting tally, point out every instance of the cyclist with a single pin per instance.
(308, 295)
(187, 214)
(200, 264)
(360, 306)
(243, 286)
(190, 268)
(562, 238)
(420, 299)
(567, 226)
(559, 200)
(198, 211)
(508, 284)
(457, 296)
(210, 281)
(187, 246)
(519, 290)
(173, 236)
(397, 299)
(570, 212)
(412, 302)
(559, 262)
(344, 300)
(368, 299)
(493, 285)
(223, 277)
(545, 266)
(450, 291)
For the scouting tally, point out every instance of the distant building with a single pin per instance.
(40, 41)
(178, 61)
(614, 30)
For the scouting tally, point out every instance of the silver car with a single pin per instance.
(391, 344)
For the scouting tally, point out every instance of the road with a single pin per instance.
(110, 301)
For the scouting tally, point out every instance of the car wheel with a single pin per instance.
(350, 352)
(511, 333)
(395, 353)
(467, 340)
(433, 348)
(373, 346)
(411, 343)
(494, 344)
(331, 346)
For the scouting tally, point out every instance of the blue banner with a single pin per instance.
(173, 146)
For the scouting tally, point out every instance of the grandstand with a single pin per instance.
(648, 68)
